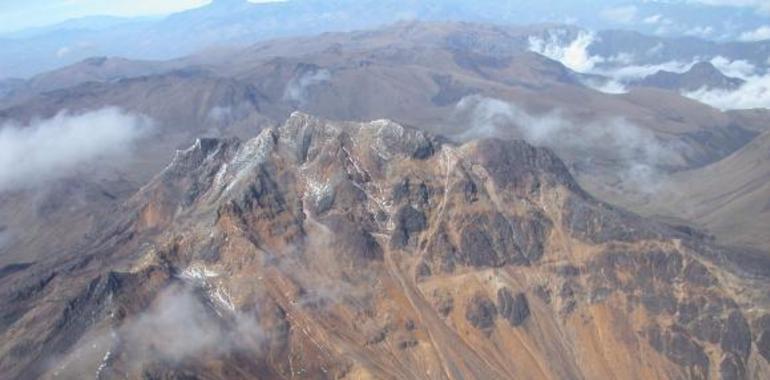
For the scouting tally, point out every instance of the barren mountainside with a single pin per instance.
(371, 250)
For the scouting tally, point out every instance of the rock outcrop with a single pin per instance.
(371, 250)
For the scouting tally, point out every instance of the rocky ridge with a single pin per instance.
(371, 250)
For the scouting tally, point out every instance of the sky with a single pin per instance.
(21, 14)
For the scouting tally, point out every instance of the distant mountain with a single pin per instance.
(646, 49)
(241, 237)
(233, 22)
(701, 75)
(456, 79)
(90, 24)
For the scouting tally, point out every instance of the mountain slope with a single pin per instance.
(455, 79)
(371, 250)
(224, 22)
(701, 75)
(731, 197)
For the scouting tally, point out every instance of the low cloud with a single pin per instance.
(636, 153)
(180, 325)
(700, 31)
(612, 75)
(760, 34)
(754, 93)
(737, 69)
(50, 149)
(654, 19)
(636, 72)
(297, 89)
(573, 54)
(617, 70)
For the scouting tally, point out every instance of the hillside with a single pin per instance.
(369, 250)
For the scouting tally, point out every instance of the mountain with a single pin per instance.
(227, 23)
(371, 250)
(460, 80)
(729, 197)
(701, 75)
(651, 49)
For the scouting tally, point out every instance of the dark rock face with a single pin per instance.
(515, 309)
(707, 328)
(357, 244)
(731, 368)
(442, 254)
(680, 348)
(736, 335)
(763, 344)
(13, 268)
(408, 222)
(599, 223)
(530, 235)
(489, 242)
(762, 334)
(471, 224)
(665, 266)
(697, 273)
(481, 312)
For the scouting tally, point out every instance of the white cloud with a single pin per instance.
(617, 69)
(574, 55)
(50, 149)
(621, 15)
(755, 93)
(298, 87)
(759, 34)
(737, 69)
(63, 52)
(700, 31)
(635, 72)
(179, 326)
(636, 152)
(654, 19)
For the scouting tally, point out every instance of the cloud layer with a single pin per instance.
(619, 69)
(45, 150)
(297, 89)
(755, 93)
(635, 153)
(615, 73)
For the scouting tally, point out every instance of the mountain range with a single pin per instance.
(238, 22)
(371, 250)
(422, 200)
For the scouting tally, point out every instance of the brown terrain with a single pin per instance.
(415, 73)
(377, 250)
(729, 197)
(372, 250)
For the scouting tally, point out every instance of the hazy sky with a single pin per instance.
(19, 14)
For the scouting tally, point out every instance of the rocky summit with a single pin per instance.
(375, 251)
